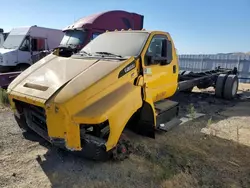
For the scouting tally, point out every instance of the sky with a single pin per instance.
(196, 26)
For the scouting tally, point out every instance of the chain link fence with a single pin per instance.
(197, 63)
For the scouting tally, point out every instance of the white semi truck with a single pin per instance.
(26, 45)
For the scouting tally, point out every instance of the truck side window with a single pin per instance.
(38, 44)
(25, 45)
(157, 49)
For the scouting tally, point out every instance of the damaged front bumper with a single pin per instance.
(34, 117)
(93, 147)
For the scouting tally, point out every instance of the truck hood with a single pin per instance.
(5, 50)
(44, 81)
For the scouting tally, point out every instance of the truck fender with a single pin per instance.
(146, 116)
(122, 112)
(146, 125)
(117, 107)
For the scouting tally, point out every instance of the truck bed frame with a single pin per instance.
(188, 80)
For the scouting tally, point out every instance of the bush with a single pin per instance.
(4, 97)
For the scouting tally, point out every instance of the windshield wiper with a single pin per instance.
(108, 54)
(84, 52)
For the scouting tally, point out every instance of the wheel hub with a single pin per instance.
(122, 150)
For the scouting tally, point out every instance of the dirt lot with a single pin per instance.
(182, 157)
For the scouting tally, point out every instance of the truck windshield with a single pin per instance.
(124, 44)
(13, 41)
(73, 37)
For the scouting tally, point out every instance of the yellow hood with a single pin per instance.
(48, 75)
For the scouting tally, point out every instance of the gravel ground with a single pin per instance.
(183, 157)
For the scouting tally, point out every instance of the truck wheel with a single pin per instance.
(231, 87)
(122, 150)
(220, 82)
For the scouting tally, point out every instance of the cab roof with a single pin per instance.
(95, 19)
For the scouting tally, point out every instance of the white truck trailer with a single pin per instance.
(26, 45)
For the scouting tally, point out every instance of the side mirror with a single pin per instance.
(149, 59)
(167, 51)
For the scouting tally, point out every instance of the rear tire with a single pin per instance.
(219, 88)
(231, 87)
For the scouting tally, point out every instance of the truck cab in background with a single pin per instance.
(26, 45)
(77, 35)
(2, 36)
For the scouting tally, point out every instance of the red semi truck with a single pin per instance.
(85, 29)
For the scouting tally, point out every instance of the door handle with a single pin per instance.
(174, 69)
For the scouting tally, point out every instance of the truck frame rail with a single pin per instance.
(188, 80)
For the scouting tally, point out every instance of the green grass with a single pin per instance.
(191, 111)
(4, 97)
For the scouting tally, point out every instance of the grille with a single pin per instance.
(34, 114)
(38, 116)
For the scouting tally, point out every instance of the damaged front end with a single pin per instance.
(83, 110)
(92, 138)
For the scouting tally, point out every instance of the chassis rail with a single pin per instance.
(202, 80)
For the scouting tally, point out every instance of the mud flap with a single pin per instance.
(145, 124)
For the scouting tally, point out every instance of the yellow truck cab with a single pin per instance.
(83, 103)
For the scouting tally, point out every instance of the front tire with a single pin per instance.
(122, 149)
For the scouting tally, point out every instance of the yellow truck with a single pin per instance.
(121, 79)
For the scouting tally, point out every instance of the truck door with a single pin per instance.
(160, 74)
(24, 55)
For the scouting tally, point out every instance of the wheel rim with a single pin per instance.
(234, 88)
(122, 150)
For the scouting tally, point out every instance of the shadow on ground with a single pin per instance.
(182, 157)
